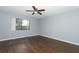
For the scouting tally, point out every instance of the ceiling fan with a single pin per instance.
(35, 10)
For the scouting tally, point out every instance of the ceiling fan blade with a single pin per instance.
(41, 10)
(29, 10)
(33, 13)
(34, 8)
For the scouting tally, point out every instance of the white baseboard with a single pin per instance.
(17, 37)
(40, 35)
(61, 39)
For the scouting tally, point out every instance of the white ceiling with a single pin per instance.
(50, 10)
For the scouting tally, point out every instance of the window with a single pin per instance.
(22, 24)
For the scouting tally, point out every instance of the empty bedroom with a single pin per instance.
(39, 29)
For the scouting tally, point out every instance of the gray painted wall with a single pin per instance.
(64, 26)
(5, 27)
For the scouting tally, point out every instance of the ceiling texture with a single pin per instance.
(49, 10)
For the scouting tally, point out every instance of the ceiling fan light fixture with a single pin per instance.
(36, 10)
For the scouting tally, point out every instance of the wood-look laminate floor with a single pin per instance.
(37, 44)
